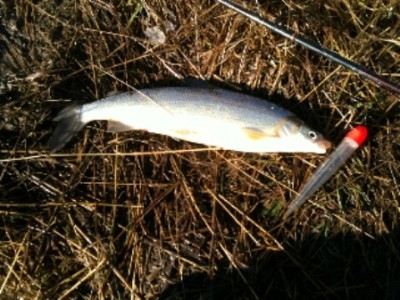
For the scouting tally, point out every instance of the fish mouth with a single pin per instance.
(324, 144)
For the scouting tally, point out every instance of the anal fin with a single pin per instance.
(115, 126)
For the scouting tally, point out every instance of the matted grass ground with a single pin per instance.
(141, 216)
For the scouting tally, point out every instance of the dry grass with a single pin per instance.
(138, 215)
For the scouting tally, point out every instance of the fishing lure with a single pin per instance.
(351, 142)
(208, 115)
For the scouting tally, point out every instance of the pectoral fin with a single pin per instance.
(184, 132)
(115, 126)
(256, 134)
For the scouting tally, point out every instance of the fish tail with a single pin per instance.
(69, 123)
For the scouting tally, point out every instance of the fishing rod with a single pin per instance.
(315, 47)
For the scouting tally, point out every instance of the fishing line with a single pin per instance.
(139, 92)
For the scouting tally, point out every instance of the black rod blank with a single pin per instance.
(315, 47)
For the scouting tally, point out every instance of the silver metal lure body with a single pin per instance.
(209, 115)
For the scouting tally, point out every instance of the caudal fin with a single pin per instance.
(69, 123)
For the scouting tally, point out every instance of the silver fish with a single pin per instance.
(209, 115)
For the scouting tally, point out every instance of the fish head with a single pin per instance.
(302, 137)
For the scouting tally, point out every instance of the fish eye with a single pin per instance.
(312, 135)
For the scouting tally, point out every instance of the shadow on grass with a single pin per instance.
(342, 267)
